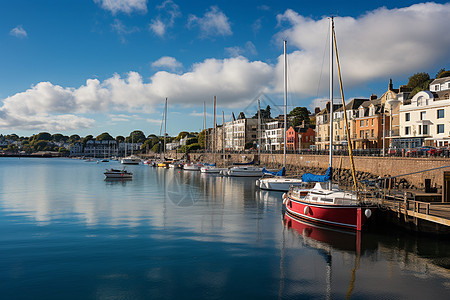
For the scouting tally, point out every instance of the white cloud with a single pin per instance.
(169, 11)
(213, 23)
(376, 45)
(158, 27)
(168, 62)
(126, 6)
(153, 121)
(44, 106)
(200, 114)
(19, 32)
(249, 49)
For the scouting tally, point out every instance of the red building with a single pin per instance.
(307, 136)
(291, 139)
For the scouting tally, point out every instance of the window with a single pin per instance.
(407, 129)
(372, 122)
(367, 123)
(422, 115)
(372, 133)
(361, 133)
(407, 117)
(420, 129)
(440, 114)
(361, 123)
(425, 129)
(440, 128)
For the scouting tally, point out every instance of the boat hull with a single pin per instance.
(344, 216)
(277, 184)
(245, 172)
(118, 175)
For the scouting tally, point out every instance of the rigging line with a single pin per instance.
(323, 61)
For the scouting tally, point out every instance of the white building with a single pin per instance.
(239, 132)
(274, 136)
(426, 120)
(76, 149)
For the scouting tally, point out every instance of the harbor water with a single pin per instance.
(67, 233)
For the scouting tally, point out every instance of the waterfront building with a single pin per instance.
(239, 132)
(273, 135)
(424, 119)
(340, 132)
(292, 138)
(306, 136)
(105, 148)
(76, 149)
(323, 127)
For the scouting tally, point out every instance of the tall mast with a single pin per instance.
(214, 136)
(204, 122)
(285, 104)
(259, 130)
(165, 128)
(223, 137)
(331, 93)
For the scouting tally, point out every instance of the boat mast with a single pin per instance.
(165, 128)
(214, 136)
(204, 123)
(331, 96)
(223, 137)
(259, 130)
(285, 104)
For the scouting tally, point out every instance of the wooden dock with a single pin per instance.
(420, 216)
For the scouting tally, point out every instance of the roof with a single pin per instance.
(440, 80)
(353, 105)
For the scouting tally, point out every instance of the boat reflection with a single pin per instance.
(115, 181)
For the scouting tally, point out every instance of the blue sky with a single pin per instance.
(90, 66)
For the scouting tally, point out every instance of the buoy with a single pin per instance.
(368, 213)
(284, 201)
(306, 210)
(284, 196)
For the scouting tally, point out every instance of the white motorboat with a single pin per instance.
(281, 184)
(212, 169)
(114, 173)
(130, 160)
(192, 166)
(244, 171)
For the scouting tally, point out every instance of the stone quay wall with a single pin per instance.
(367, 167)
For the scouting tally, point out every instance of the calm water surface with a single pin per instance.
(66, 233)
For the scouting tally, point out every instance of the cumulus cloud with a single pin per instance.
(19, 32)
(126, 6)
(52, 107)
(375, 45)
(213, 23)
(168, 62)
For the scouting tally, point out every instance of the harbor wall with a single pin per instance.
(379, 166)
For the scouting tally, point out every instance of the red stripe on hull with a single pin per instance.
(334, 215)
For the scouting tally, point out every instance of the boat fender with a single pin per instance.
(257, 182)
(306, 210)
(368, 213)
(284, 196)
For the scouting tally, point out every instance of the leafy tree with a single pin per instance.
(136, 136)
(157, 148)
(57, 137)
(193, 147)
(191, 141)
(181, 135)
(148, 144)
(43, 136)
(299, 114)
(120, 139)
(202, 138)
(13, 137)
(104, 137)
(418, 82)
(40, 145)
(74, 138)
(442, 73)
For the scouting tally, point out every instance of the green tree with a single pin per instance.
(157, 148)
(74, 138)
(104, 137)
(43, 136)
(136, 136)
(193, 147)
(57, 137)
(13, 137)
(418, 82)
(202, 138)
(298, 115)
(442, 73)
(120, 139)
(191, 141)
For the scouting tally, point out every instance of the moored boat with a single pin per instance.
(130, 160)
(114, 173)
(192, 166)
(244, 171)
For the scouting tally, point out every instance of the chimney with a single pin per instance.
(391, 86)
(373, 96)
(316, 110)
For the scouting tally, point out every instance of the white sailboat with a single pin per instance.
(132, 159)
(280, 183)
